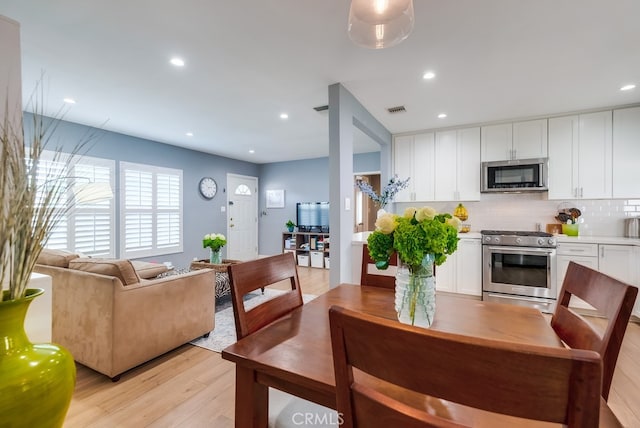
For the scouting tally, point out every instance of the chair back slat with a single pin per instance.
(549, 384)
(374, 277)
(255, 274)
(611, 298)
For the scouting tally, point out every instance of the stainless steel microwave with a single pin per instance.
(519, 175)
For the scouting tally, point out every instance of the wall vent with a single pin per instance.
(321, 108)
(398, 109)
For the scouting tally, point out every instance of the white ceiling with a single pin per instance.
(249, 60)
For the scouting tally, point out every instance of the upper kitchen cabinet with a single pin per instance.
(457, 165)
(413, 156)
(626, 153)
(580, 152)
(518, 140)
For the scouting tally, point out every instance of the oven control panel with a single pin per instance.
(519, 239)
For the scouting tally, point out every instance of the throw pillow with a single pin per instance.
(123, 269)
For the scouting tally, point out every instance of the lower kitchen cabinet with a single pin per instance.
(462, 272)
(618, 261)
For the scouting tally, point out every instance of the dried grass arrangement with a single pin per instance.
(33, 200)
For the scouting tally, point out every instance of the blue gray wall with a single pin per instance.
(201, 216)
(302, 181)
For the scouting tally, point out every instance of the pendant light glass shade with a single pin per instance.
(378, 24)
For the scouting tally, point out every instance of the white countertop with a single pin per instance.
(615, 240)
(361, 237)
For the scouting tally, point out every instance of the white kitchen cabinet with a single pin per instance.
(620, 262)
(462, 272)
(414, 158)
(517, 140)
(580, 156)
(530, 139)
(626, 153)
(583, 254)
(446, 275)
(496, 142)
(617, 261)
(469, 267)
(457, 165)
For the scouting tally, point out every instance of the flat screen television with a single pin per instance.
(313, 216)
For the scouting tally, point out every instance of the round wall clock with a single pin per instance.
(207, 187)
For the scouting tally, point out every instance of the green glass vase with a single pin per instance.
(36, 380)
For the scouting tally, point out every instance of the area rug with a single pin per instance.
(224, 333)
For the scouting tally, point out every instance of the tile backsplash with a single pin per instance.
(600, 217)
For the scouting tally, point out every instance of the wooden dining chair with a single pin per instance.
(375, 277)
(245, 277)
(612, 299)
(390, 374)
(256, 274)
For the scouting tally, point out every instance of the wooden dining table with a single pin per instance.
(294, 354)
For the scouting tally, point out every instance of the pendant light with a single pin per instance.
(378, 24)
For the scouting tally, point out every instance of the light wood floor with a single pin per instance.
(194, 387)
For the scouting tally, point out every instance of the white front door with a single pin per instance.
(242, 217)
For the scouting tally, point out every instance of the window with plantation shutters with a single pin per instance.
(151, 210)
(89, 227)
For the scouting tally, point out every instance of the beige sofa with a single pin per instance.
(111, 320)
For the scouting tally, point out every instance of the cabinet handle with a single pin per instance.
(602, 252)
(581, 192)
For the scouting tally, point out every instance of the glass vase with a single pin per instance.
(416, 293)
(215, 256)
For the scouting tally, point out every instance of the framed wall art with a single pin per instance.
(275, 199)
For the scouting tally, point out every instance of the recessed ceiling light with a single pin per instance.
(252, 151)
(429, 75)
(69, 101)
(284, 116)
(178, 62)
(189, 134)
(628, 87)
(442, 115)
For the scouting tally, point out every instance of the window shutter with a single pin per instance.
(152, 210)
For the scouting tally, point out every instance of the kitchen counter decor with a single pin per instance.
(386, 195)
(569, 219)
(422, 238)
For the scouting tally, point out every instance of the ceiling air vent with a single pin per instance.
(398, 109)
(321, 108)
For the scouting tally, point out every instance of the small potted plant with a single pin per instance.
(290, 225)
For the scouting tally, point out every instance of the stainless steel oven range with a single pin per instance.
(519, 267)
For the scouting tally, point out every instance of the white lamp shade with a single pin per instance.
(378, 24)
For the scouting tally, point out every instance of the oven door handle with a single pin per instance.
(528, 299)
(523, 250)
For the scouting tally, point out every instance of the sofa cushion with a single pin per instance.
(123, 269)
(148, 270)
(57, 258)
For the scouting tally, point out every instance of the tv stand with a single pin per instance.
(309, 248)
